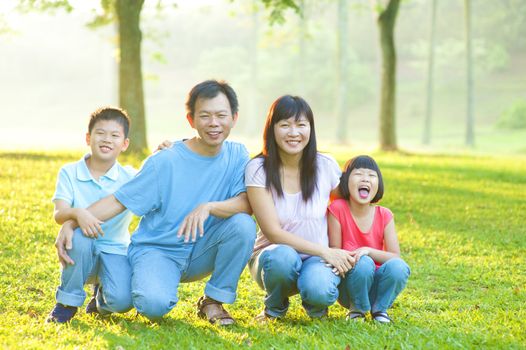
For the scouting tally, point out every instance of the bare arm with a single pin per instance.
(265, 211)
(335, 232)
(194, 222)
(392, 247)
(88, 223)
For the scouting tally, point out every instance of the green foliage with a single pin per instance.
(514, 117)
(44, 5)
(278, 8)
(461, 229)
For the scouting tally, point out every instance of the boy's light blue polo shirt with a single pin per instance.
(78, 188)
(173, 182)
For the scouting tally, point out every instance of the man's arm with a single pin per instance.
(195, 220)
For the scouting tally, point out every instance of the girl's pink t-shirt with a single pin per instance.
(352, 237)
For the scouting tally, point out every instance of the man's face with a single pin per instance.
(212, 120)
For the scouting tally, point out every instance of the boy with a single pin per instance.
(92, 257)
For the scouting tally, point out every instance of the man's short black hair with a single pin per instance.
(210, 89)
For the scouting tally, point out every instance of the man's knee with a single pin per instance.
(243, 225)
(118, 301)
(153, 306)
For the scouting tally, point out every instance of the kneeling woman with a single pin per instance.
(288, 186)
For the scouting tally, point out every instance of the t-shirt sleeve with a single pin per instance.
(255, 174)
(334, 172)
(387, 215)
(64, 187)
(335, 208)
(238, 185)
(142, 193)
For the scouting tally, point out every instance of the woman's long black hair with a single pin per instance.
(287, 107)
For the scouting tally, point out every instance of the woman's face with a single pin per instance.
(292, 135)
(363, 185)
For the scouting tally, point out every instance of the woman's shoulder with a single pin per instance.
(255, 162)
(325, 158)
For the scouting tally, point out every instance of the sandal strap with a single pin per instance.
(381, 314)
(355, 314)
(221, 315)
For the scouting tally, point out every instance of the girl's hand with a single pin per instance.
(341, 260)
(358, 253)
(164, 145)
(89, 224)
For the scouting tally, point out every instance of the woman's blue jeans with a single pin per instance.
(281, 272)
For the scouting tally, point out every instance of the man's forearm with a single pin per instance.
(229, 207)
(106, 208)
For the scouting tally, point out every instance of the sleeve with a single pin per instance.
(334, 172)
(238, 183)
(255, 174)
(64, 188)
(387, 216)
(142, 193)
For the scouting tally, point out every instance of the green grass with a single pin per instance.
(460, 221)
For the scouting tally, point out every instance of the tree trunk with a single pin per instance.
(426, 139)
(342, 110)
(386, 23)
(131, 94)
(470, 137)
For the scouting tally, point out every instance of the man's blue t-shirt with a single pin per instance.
(79, 189)
(173, 182)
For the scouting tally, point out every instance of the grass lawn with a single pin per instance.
(460, 221)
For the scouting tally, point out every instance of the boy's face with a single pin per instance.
(107, 140)
(212, 120)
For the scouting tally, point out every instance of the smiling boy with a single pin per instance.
(103, 259)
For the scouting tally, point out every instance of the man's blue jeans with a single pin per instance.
(111, 271)
(223, 251)
(365, 288)
(279, 270)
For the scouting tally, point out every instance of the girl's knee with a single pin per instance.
(364, 268)
(397, 269)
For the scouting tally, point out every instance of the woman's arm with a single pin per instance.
(265, 211)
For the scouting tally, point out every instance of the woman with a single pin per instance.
(288, 186)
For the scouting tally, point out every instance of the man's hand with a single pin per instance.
(194, 221)
(88, 223)
(63, 242)
(164, 145)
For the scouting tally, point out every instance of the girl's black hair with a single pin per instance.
(360, 162)
(287, 107)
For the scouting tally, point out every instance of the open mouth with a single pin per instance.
(363, 191)
(293, 142)
(213, 133)
(105, 148)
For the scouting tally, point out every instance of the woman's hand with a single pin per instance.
(341, 260)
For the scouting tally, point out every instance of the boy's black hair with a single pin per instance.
(110, 113)
(359, 162)
(210, 89)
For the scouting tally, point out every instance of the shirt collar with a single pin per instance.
(83, 173)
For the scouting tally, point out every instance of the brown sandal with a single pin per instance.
(208, 308)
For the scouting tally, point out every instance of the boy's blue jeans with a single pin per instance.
(223, 251)
(365, 288)
(112, 271)
(279, 270)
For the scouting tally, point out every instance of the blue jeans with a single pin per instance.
(111, 271)
(279, 270)
(365, 288)
(223, 251)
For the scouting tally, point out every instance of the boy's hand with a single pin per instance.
(63, 242)
(193, 222)
(164, 145)
(89, 224)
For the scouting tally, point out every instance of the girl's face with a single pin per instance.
(363, 185)
(292, 135)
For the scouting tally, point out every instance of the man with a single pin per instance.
(195, 213)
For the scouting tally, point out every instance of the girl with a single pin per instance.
(288, 186)
(368, 232)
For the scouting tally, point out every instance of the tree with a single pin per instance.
(386, 19)
(126, 13)
(426, 139)
(470, 137)
(342, 109)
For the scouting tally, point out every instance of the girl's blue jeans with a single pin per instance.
(366, 289)
(280, 271)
